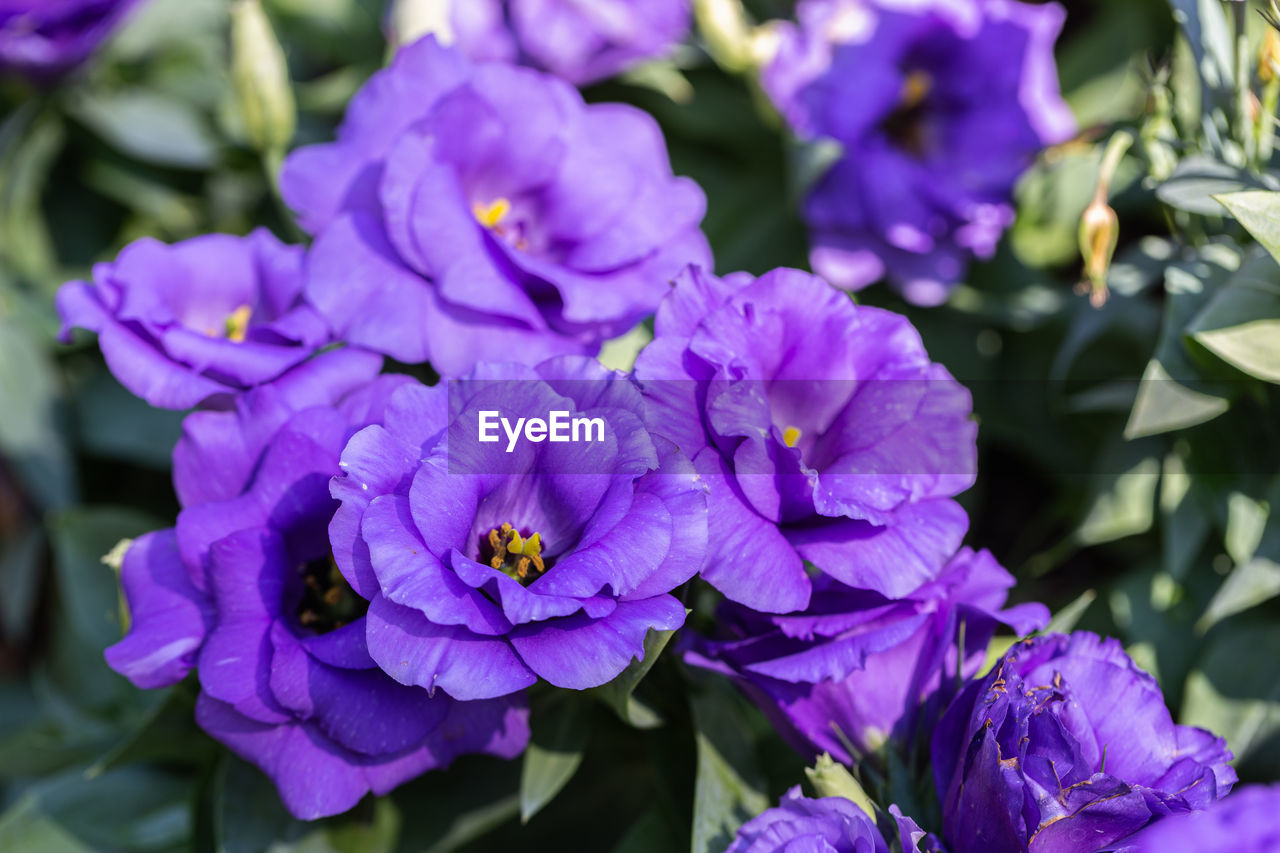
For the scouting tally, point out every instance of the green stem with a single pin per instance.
(1117, 147)
(1267, 121)
(1244, 76)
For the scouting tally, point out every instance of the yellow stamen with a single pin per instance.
(492, 215)
(237, 324)
(790, 436)
(916, 88)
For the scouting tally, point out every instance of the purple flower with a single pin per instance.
(1066, 746)
(938, 106)
(245, 591)
(580, 41)
(829, 824)
(1245, 822)
(41, 39)
(485, 212)
(824, 431)
(198, 321)
(857, 669)
(488, 569)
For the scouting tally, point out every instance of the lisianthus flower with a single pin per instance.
(856, 669)
(829, 824)
(1245, 822)
(580, 41)
(1067, 746)
(199, 321)
(824, 431)
(487, 569)
(938, 106)
(245, 591)
(41, 39)
(471, 212)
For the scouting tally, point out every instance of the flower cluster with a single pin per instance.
(824, 430)
(41, 39)
(486, 570)
(1067, 746)
(244, 590)
(369, 574)
(197, 322)
(856, 669)
(938, 107)
(581, 42)
(483, 212)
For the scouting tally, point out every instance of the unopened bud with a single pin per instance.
(1269, 56)
(1099, 234)
(414, 19)
(727, 31)
(261, 78)
(830, 779)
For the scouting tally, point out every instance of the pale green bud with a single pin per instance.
(413, 19)
(261, 79)
(830, 779)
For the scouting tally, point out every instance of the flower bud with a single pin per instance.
(831, 779)
(413, 19)
(261, 78)
(1269, 56)
(727, 32)
(1099, 234)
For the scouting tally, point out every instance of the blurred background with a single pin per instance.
(1150, 510)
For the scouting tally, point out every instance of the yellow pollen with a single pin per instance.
(790, 436)
(519, 557)
(917, 87)
(492, 215)
(237, 324)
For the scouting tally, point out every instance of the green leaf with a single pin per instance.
(88, 588)
(354, 833)
(1248, 585)
(619, 694)
(1259, 213)
(1206, 29)
(248, 816)
(475, 796)
(30, 143)
(730, 786)
(134, 809)
(1197, 181)
(1234, 691)
(21, 560)
(1246, 523)
(1164, 404)
(28, 432)
(153, 127)
(24, 827)
(1066, 619)
(1125, 506)
(1185, 524)
(166, 731)
(113, 423)
(1241, 323)
(808, 161)
(653, 831)
(556, 748)
(1172, 395)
